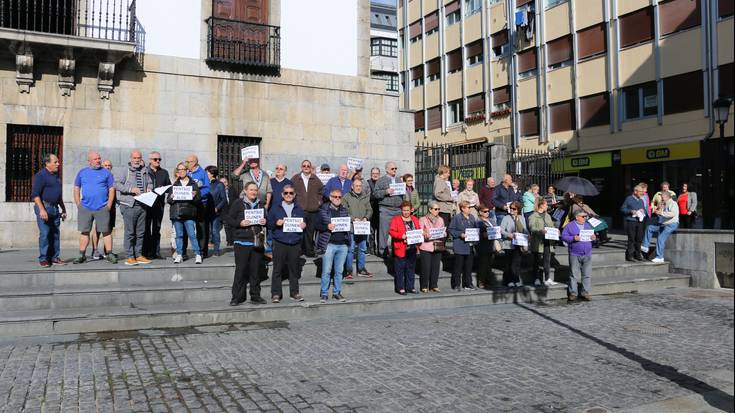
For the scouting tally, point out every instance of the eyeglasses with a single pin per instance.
(583, 216)
(279, 168)
(306, 166)
(335, 197)
(434, 209)
(514, 209)
(155, 159)
(288, 193)
(484, 212)
(180, 169)
(393, 169)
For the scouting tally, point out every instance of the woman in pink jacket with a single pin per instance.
(431, 250)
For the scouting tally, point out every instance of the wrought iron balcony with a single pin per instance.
(242, 46)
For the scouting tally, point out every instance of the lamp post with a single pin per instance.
(722, 111)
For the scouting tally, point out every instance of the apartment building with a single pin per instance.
(384, 44)
(219, 75)
(624, 87)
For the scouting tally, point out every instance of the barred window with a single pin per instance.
(26, 146)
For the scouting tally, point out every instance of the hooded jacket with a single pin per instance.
(125, 182)
(358, 205)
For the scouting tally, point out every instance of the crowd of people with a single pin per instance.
(282, 219)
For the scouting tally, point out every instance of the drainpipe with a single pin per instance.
(512, 60)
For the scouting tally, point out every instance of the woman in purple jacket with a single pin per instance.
(580, 255)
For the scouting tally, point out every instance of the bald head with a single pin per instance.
(192, 162)
(507, 180)
(94, 159)
(344, 171)
(136, 158)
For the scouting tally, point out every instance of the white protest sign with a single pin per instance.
(325, 177)
(552, 233)
(398, 188)
(341, 224)
(472, 234)
(250, 152)
(640, 215)
(361, 227)
(594, 222)
(254, 215)
(182, 193)
(494, 233)
(292, 224)
(586, 234)
(354, 163)
(414, 237)
(520, 239)
(148, 198)
(438, 233)
(162, 189)
(455, 196)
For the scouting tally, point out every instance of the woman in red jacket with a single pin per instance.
(405, 255)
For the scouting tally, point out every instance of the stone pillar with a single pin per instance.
(498, 161)
(363, 38)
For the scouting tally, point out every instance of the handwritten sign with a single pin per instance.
(438, 233)
(552, 233)
(182, 193)
(254, 215)
(354, 163)
(325, 177)
(250, 152)
(494, 233)
(341, 224)
(586, 234)
(472, 234)
(594, 222)
(520, 239)
(414, 237)
(361, 227)
(455, 196)
(398, 188)
(292, 224)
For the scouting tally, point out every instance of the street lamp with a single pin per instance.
(722, 111)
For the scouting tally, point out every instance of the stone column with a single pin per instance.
(363, 38)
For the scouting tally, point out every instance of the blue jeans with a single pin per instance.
(359, 241)
(405, 269)
(334, 257)
(663, 232)
(190, 226)
(216, 227)
(49, 247)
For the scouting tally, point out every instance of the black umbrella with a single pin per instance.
(577, 185)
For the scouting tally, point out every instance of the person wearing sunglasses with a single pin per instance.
(389, 205)
(154, 215)
(183, 214)
(512, 224)
(286, 245)
(580, 257)
(463, 250)
(308, 190)
(431, 250)
(334, 244)
(485, 249)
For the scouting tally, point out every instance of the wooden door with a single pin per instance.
(238, 41)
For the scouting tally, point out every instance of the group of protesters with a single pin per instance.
(282, 219)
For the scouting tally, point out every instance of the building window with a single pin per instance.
(454, 61)
(684, 93)
(476, 104)
(551, 3)
(434, 117)
(472, 6)
(527, 63)
(417, 76)
(591, 41)
(418, 121)
(414, 31)
(726, 80)
(26, 146)
(455, 112)
(501, 98)
(725, 8)
(499, 43)
(561, 116)
(594, 110)
(474, 53)
(453, 13)
(640, 101)
(229, 155)
(528, 120)
(636, 27)
(381, 46)
(677, 15)
(559, 52)
(433, 69)
(390, 79)
(431, 23)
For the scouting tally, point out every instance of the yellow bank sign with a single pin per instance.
(660, 153)
(579, 162)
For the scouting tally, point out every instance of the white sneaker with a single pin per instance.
(644, 249)
(550, 283)
(537, 283)
(198, 259)
(658, 261)
(511, 285)
(177, 259)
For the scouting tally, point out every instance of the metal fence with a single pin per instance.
(257, 46)
(528, 166)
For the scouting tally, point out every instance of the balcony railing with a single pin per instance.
(112, 20)
(248, 47)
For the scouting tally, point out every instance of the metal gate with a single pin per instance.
(26, 146)
(529, 166)
(228, 155)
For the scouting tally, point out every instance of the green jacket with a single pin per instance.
(536, 224)
(358, 206)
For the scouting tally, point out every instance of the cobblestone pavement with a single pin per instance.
(615, 353)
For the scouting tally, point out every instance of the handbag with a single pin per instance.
(497, 246)
(525, 248)
(258, 240)
(440, 246)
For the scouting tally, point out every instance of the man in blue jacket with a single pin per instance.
(503, 196)
(634, 212)
(286, 244)
(342, 182)
(200, 177)
(335, 243)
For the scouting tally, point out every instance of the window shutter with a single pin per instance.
(726, 8)
(562, 116)
(527, 60)
(501, 95)
(434, 117)
(414, 29)
(474, 49)
(684, 93)
(591, 41)
(500, 38)
(636, 27)
(726, 80)
(678, 15)
(418, 120)
(594, 110)
(417, 72)
(528, 122)
(454, 60)
(559, 50)
(431, 22)
(451, 8)
(433, 67)
(476, 103)
(520, 3)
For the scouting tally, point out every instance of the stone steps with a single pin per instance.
(127, 317)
